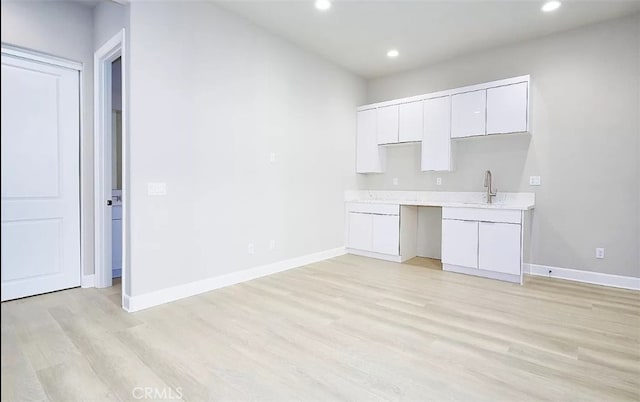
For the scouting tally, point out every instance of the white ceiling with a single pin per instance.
(356, 34)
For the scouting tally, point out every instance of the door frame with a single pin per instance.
(46, 58)
(103, 57)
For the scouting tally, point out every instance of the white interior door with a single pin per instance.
(40, 178)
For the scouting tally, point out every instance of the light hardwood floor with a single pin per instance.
(350, 328)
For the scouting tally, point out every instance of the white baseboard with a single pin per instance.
(144, 301)
(88, 281)
(482, 273)
(371, 254)
(126, 303)
(596, 278)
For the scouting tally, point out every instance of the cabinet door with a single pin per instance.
(410, 123)
(360, 231)
(386, 234)
(436, 140)
(460, 243)
(368, 156)
(499, 247)
(387, 124)
(507, 109)
(468, 114)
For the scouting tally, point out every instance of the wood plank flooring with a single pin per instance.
(349, 328)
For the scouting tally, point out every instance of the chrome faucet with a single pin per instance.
(487, 184)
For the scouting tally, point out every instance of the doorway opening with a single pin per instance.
(116, 170)
(110, 167)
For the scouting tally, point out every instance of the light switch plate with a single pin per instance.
(156, 189)
(534, 180)
(272, 244)
(600, 252)
(438, 181)
(251, 249)
(272, 157)
(395, 181)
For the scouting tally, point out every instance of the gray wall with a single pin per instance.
(62, 29)
(585, 142)
(211, 97)
(108, 19)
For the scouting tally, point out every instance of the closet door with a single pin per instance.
(40, 177)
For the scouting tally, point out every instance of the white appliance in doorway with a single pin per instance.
(116, 233)
(40, 174)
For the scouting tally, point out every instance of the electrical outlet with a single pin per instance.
(395, 181)
(251, 249)
(534, 180)
(599, 252)
(438, 181)
(155, 189)
(272, 157)
(272, 244)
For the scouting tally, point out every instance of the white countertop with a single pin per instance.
(517, 201)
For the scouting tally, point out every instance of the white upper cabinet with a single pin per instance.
(468, 114)
(496, 107)
(507, 108)
(387, 124)
(436, 140)
(410, 123)
(369, 158)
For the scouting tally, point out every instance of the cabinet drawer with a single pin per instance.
(366, 208)
(481, 214)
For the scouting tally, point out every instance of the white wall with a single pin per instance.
(108, 19)
(211, 96)
(585, 141)
(62, 29)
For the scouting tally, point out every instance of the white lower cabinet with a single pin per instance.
(499, 247)
(360, 231)
(483, 242)
(374, 232)
(386, 234)
(374, 228)
(460, 243)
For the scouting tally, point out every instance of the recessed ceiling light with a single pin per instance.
(323, 4)
(393, 53)
(551, 5)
